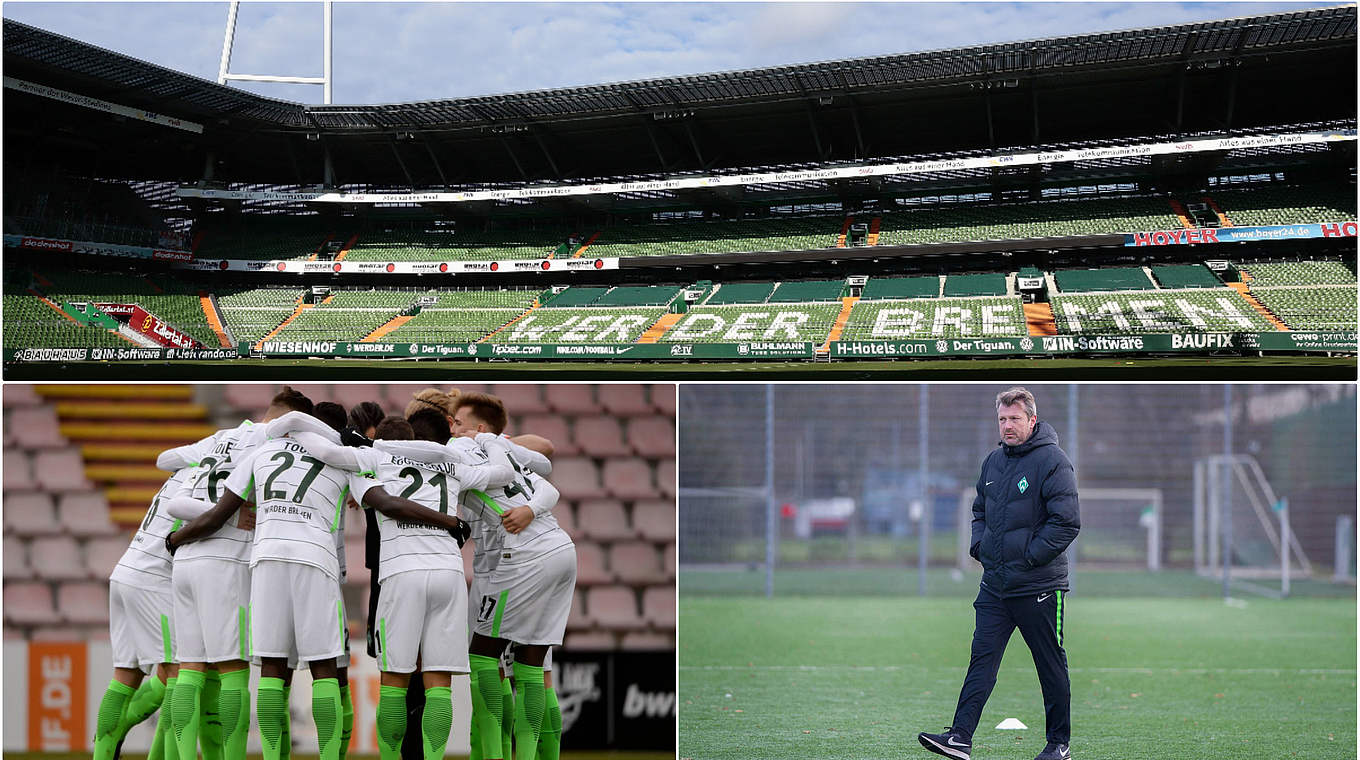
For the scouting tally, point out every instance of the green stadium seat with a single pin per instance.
(1156, 311)
(901, 287)
(934, 318)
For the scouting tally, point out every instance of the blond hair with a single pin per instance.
(433, 398)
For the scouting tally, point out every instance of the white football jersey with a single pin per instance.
(299, 502)
(419, 471)
(487, 533)
(146, 562)
(541, 537)
(230, 542)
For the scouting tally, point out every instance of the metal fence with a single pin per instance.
(815, 477)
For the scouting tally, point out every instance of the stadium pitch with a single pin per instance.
(1296, 368)
(847, 676)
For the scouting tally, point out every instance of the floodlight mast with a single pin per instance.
(228, 38)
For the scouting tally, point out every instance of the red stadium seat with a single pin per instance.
(61, 633)
(249, 399)
(30, 514)
(577, 478)
(655, 520)
(16, 560)
(20, 394)
(590, 641)
(590, 565)
(572, 399)
(636, 563)
(60, 470)
(30, 604)
(317, 392)
(18, 471)
(57, 558)
(85, 513)
(36, 427)
(600, 437)
(550, 426)
(658, 607)
(652, 437)
(102, 555)
(668, 560)
(604, 520)
(614, 608)
(665, 477)
(625, 399)
(566, 519)
(84, 603)
(663, 396)
(13, 634)
(520, 398)
(647, 641)
(629, 479)
(577, 619)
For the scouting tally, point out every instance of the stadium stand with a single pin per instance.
(727, 236)
(1185, 276)
(740, 292)
(458, 246)
(934, 318)
(800, 322)
(1286, 205)
(814, 290)
(1268, 273)
(1194, 310)
(975, 285)
(1313, 307)
(601, 324)
(1083, 280)
(1056, 218)
(63, 535)
(900, 288)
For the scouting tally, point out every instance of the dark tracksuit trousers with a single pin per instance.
(1040, 620)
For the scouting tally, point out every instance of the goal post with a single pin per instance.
(1242, 527)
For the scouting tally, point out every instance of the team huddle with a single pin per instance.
(240, 561)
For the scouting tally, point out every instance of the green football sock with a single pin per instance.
(346, 720)
(550, 738)
(475, 735)
(326, 715)
(209, 720)
(184, 711)
(270, 708)
(437, 721)
(143, 705)
(391, 721)
(163, 745)
(112, 708)
(233, 707)
(486, 704)
(286, 740)
(507, 718)
(529, 705)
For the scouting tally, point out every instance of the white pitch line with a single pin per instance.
(1142, 671)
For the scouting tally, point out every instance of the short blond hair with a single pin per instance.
(1018, 395)
(433, 398)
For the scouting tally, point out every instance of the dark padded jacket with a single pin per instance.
(1024, 516)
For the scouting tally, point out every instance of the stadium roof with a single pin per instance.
(964, 98)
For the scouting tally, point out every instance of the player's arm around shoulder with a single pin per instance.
(333, 454)
(399, 508)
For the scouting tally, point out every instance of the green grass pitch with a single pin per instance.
(857, 677)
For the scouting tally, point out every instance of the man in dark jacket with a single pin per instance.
(1024, 517)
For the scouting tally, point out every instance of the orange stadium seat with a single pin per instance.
(85, 513)
(603, 520)
(658, 606)
(35, 427)
(577, 478)
(102, 554)
(625, 400)
(572, 399)
(16, 560)
(18, 471)
(646, 640)
(84, 603)
(629, 478)
(30, 514)
(30, 604)
(590, 565)
(520, 398)
(57, 558)
(655, 520)
(60, 470)
(652, 437)
(614, 607)
(600, 437)
(636, 563)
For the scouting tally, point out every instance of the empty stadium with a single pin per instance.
(953, 204)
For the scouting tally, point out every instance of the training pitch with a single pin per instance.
(857, 677)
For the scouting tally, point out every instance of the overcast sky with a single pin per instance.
(395, 52)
